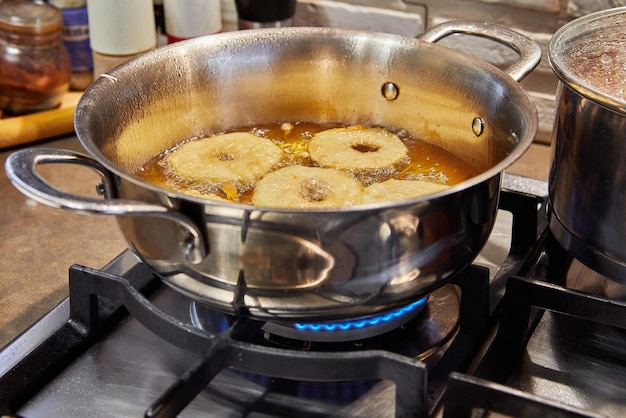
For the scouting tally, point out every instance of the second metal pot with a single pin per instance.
(587, 182)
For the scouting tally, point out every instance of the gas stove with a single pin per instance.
(524, 331)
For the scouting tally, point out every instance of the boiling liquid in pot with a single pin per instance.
(425, 162)
(590, 53)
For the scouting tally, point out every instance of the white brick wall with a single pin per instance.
(537, 19)
(404, 20)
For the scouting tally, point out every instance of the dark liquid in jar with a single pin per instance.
(426, 162)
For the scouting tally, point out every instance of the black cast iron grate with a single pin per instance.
(526, 300)
(98, 300)
(486, 389)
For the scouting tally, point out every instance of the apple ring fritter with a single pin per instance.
(306, 188)
(394, 190)
(237, 158)
(357, 148)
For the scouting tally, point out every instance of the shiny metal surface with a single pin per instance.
(528, 50)
(587, 183)
(22, 170)
(293, 264)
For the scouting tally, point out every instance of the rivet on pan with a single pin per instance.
(101, 189)
(390, 91)
(478, 126)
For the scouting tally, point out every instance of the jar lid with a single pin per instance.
(68, 4)
(589, 55)
(29, 17)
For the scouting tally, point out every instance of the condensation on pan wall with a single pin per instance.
(538, 19)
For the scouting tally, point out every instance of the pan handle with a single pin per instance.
(529, 50)
(21, 168)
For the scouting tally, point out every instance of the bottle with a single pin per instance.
(35, 67)
(159, 21)
(119, 30)
(255, 14)
(75, 35)
(191, 18)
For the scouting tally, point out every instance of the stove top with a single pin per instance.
(517, 333)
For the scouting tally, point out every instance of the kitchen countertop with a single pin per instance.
(39, 243)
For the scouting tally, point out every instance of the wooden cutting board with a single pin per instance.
(20, 130)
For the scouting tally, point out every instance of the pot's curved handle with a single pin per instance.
(21, 168)
(529, 50)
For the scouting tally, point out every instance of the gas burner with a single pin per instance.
(347, 330)
(417, 330)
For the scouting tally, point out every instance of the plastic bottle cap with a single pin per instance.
(121, 27)
(191, 18)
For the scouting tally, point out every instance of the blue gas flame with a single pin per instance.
(359, 323)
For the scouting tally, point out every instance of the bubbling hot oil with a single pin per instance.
(425, 162)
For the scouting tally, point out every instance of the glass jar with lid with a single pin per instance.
(35, 68)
